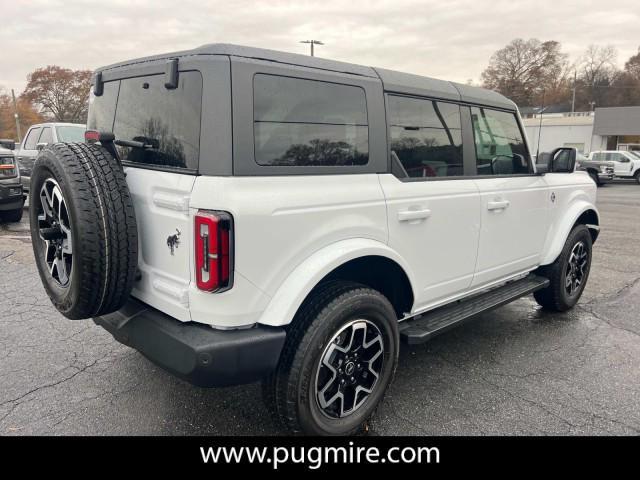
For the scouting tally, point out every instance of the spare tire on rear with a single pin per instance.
(83, 229)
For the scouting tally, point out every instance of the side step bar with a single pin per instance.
(422, 328)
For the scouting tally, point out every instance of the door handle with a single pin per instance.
(409, 215)
(498, 205)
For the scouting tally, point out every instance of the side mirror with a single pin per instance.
(562, 160)
(40, 146)
(8, 143)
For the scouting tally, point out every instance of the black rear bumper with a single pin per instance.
(195, 352)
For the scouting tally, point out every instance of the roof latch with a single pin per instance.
(171, 74)
(98, 84)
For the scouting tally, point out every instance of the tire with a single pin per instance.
(293, 390)
(11, 216)
(637, 176)
(594, 177)
(87, 253)
(557, 297)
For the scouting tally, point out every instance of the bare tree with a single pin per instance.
(524, 68)
(632, 66)
(597, 70)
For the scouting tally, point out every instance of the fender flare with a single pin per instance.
(562, 227)
(290, 295)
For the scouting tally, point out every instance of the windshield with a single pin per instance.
(70, 133)
(635, 153)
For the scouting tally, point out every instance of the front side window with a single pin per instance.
(426, 137)
(500, 147)
(300, 122)
(165, 122)
(32, 139)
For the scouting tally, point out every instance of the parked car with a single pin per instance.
(40, 135)
(11, 196)
(626, 164)
(240, 214)
(600, 171)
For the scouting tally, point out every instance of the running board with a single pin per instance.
(422, 328)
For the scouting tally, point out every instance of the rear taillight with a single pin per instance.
(91, 136)
(214, 245)
(8, 167)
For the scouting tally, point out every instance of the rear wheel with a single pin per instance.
(568, 274)
(83, 229)
(339, 358)
(637, 176)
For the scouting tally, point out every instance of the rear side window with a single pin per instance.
(32, 139)
(300, 122)
(500, 147)
(70, 134)
(46, 136)
(166, 122)
(426, 136)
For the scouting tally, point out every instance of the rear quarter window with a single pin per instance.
(301, 122)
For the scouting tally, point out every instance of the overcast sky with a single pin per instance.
(450, 39)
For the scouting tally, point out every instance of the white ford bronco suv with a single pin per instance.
(239, 214)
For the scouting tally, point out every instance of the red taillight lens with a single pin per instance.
(213, 236)
(91, 135)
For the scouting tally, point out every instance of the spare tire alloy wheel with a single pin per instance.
(54, 229)
(349, 368)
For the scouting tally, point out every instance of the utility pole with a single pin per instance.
(312, 43)
(573, 100)
(17, 117)
(544, 91)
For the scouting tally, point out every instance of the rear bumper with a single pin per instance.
(195, 352)
(11, 196)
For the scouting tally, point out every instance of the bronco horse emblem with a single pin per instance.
(173, 241)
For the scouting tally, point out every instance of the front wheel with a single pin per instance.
(594, 177)
(637, 176)
(568, 274)
(339, 358)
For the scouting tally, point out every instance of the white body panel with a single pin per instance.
(514, 222)
(291, 231)
(161, 202)
(435, 227)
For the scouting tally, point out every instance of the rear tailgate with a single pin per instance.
(161, 202)
(157, 131)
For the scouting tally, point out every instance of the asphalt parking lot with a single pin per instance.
(516, 370)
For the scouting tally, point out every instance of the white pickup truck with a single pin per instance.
(242, 215)
(626, 164)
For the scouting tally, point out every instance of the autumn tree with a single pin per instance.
(60, 93)
(524, 69)
(27, 114)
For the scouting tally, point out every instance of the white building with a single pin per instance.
(548, 131)
(615, 128)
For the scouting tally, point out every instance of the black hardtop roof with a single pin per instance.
(393, 81)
